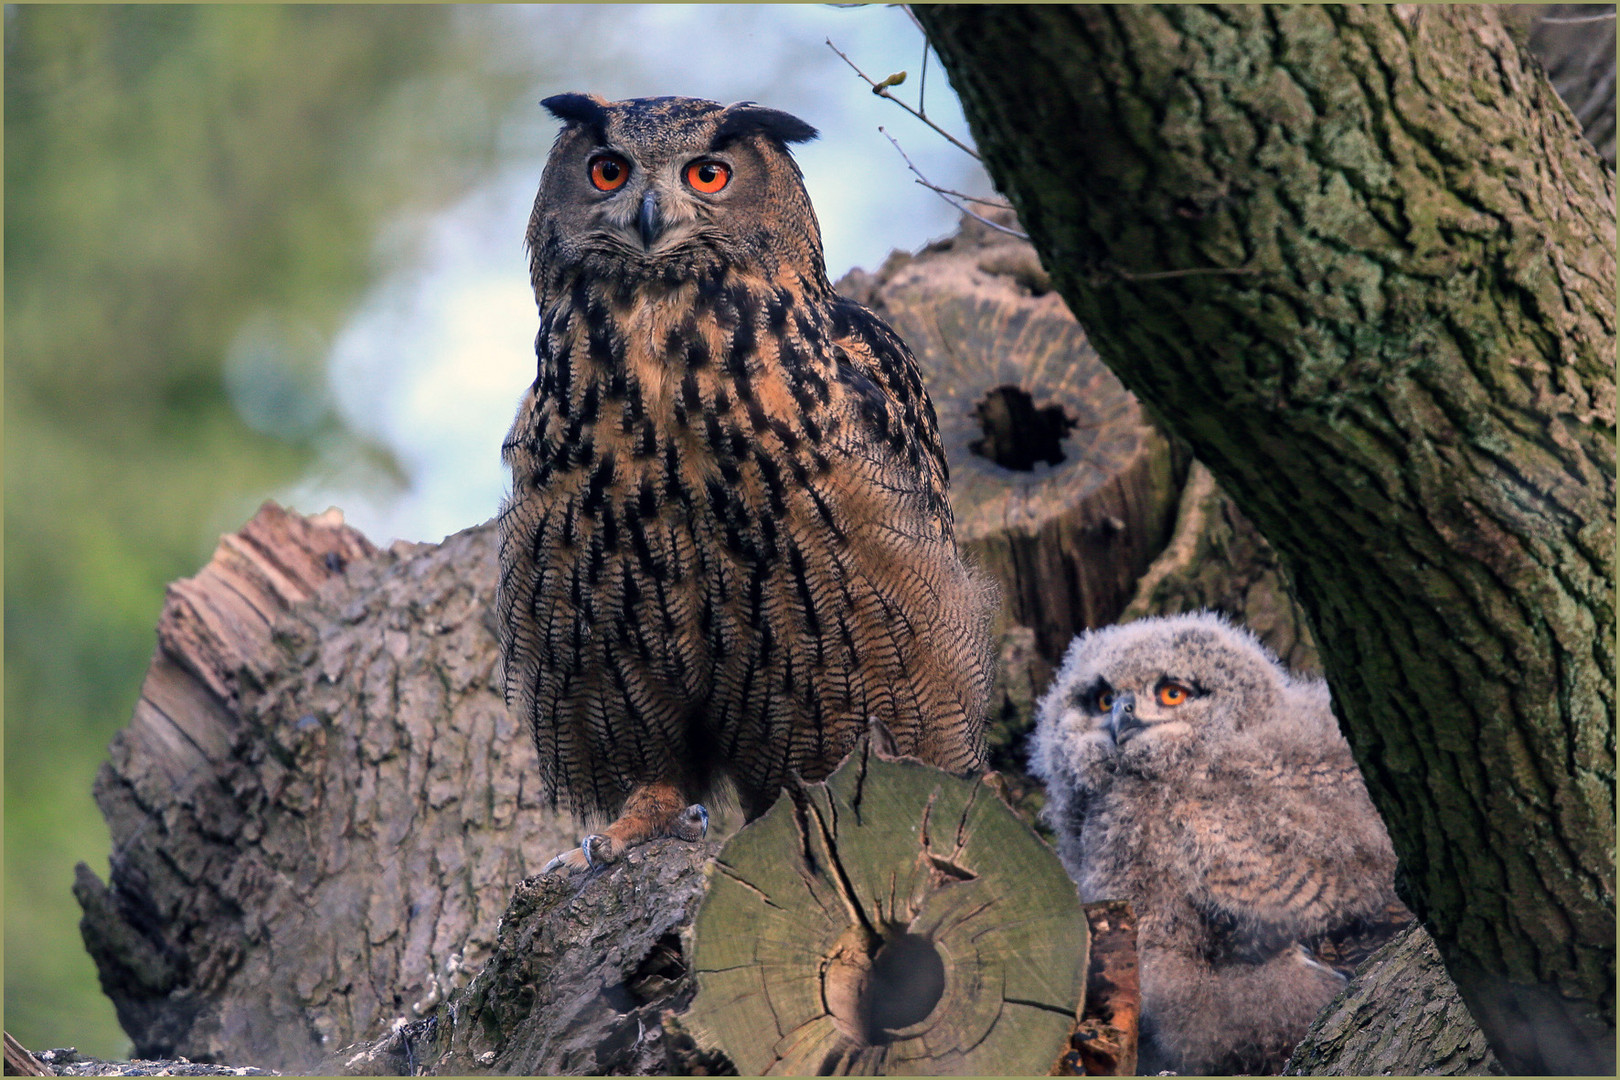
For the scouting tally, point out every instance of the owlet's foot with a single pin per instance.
(651, 811)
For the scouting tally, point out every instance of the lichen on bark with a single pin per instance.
(1362, 260)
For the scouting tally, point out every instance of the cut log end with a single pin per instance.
(895, 919)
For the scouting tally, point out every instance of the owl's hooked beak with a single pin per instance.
(651, 221)
(1122, 721)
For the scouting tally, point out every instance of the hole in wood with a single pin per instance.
(1017, 433)
(906, 982)
(876, 986)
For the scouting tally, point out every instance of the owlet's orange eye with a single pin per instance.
(1105, 701)
(708, 176)
(1172, 694)
(609, 172)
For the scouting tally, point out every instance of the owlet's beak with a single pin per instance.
(1122, 721)
(650, 221)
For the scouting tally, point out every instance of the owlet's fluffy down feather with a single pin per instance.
(728, 543)
(1189, 773)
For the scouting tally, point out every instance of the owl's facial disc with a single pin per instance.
(1166, 708)
(659, 210)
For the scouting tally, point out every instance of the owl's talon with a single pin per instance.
(691, 824)
(598, 850)
(569, 862)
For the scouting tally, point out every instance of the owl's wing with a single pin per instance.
(884, 383)
(1344, 947)
(1294, 854)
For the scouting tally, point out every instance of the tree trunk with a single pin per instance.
(1363, 262)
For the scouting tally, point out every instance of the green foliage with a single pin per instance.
(173, 174)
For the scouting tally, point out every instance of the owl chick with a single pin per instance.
(1189, 773)
(728, 543)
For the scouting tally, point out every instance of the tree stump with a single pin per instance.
(1217, 559)
(321, 805)
(893, 920)
(1062, 487)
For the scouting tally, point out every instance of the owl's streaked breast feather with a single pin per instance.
(728, 541)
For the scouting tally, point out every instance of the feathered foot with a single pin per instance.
(651, 811)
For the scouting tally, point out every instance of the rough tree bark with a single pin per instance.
(1362, 260)
(1400, 1016)
(321, 805)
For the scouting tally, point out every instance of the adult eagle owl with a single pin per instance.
(728, 543)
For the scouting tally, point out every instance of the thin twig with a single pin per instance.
(912, 15)
(937, 190)
(999, 204)
(922, 82)
(882, 91)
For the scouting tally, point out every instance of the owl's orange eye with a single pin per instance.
(1105, 700)
(708, 176)
(609, 172)
(1172, 694)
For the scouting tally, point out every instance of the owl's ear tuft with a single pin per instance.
(746, 118)
(585, 110)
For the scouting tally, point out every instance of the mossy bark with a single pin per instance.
(1363, 262)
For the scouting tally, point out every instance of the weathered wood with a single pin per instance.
(69, 1062)
(581, 974)
(1103, 1042)
(1022, 676)
(1217, 560)
(1400, 1016)
(19, 1062)
(320, 806)
(1062, 487)
(894, 920)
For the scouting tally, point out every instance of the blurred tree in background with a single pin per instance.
(191, 197)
